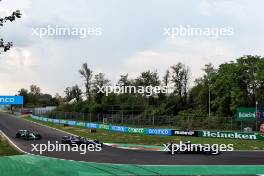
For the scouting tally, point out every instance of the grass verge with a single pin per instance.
(5, 148)
(128, 138)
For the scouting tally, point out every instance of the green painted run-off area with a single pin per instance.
(30, 165)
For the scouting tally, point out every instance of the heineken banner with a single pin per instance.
(229, 135)
(246, 114)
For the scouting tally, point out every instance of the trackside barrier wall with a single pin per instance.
(156, 131)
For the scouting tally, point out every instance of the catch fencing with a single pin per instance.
(191, 122)
(155, 131)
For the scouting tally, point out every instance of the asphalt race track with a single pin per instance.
(10, 124)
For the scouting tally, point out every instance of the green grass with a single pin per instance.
(127, 138)
(5, 148)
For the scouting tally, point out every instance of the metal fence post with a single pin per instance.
(90, 116)
(231, 123)
(122, 118)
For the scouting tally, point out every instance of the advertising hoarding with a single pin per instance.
(246, 114)
(229, 135)
(11, 100)
(184, 133)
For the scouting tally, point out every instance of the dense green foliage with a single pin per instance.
(34, 97)
(233, 84)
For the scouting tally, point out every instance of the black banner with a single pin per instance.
(184, 133)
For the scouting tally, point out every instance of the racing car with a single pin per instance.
(78, 140)
(192, 148)
(28, 135)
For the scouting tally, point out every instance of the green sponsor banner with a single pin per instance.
(64, 121)
(136, 130)
(246, 114)
(105, 127)
(82, 124)
(230, 135)
(50, 120)
(260, 137)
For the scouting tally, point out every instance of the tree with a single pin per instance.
(124, 81)
(209, 72)
(6, 46)
(166, 78)
(59, 98)
(148, 78)
(72, 93)
(87, 75)
(36, 98)
(199, 94)
(99, 82)
(251, 66)
(68, 93)
(24, 92)
(35, 90)
(77, 93)
(232, 84)
(238, 83)
(34, 94)
(180, 78)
